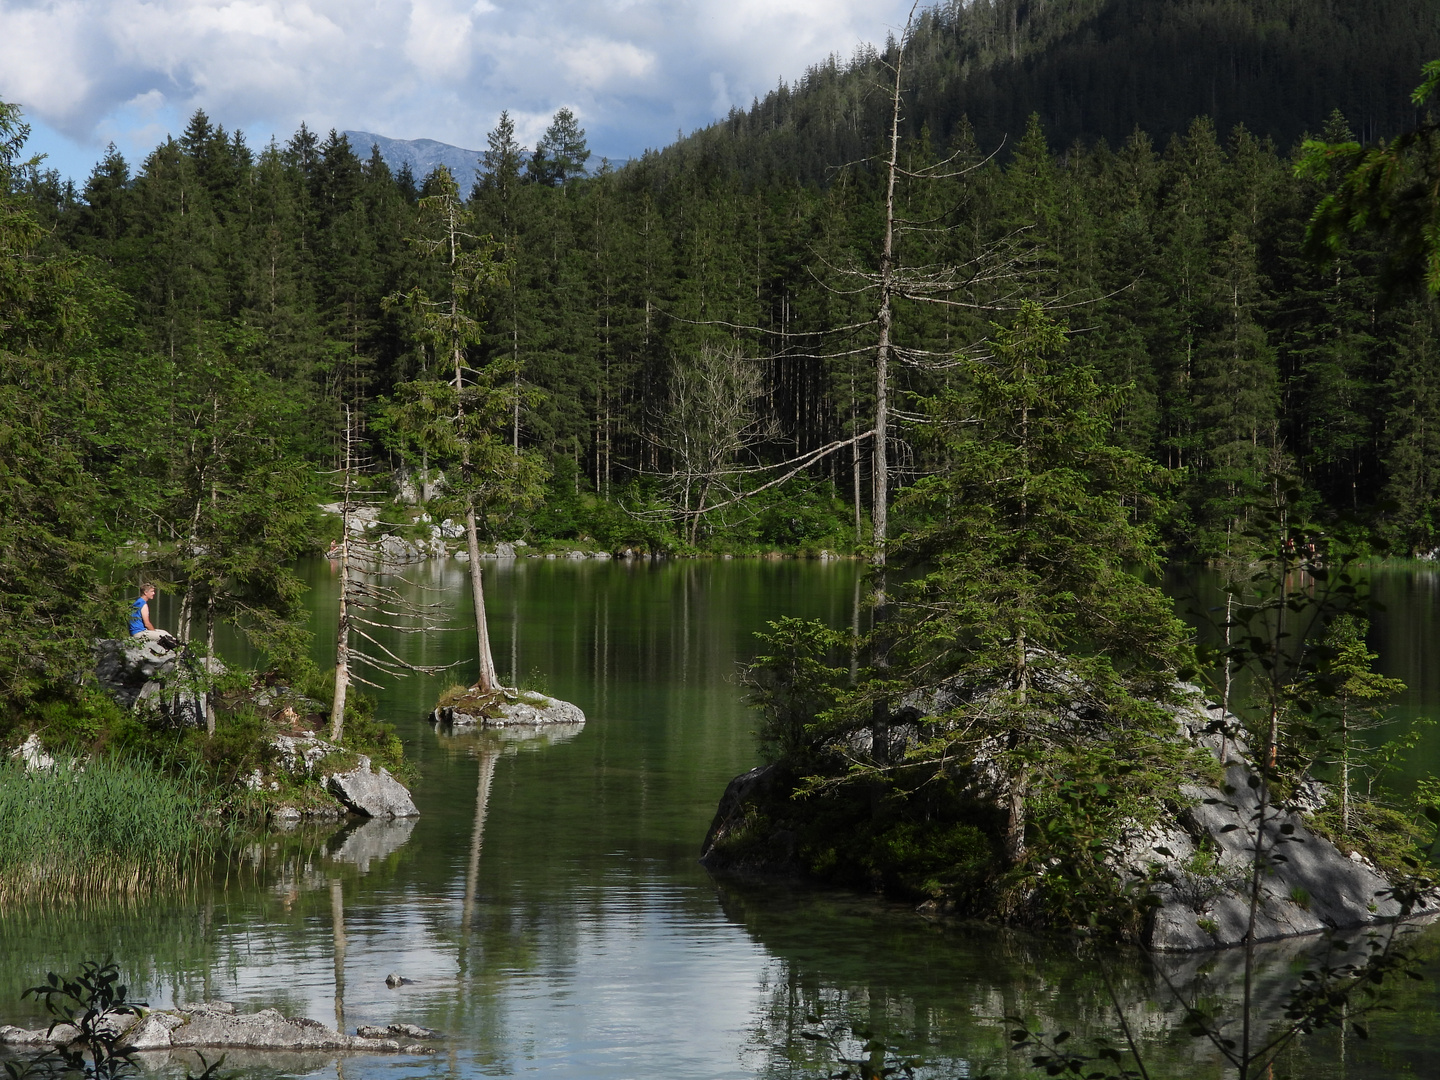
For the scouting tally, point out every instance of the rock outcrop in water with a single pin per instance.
(359, 786)
(507, 708)
(216, 1025)
(1199, 855)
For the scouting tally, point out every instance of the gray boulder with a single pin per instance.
(152, 1032)
(374, 794)
(59, 1035)
(154, 672)
(1308, 884)
(33, 755)
(217, 1025)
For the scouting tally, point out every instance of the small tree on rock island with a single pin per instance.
(1032, 543)
(460, 421)
(1026, 618)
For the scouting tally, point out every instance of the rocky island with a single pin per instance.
(1195, 859)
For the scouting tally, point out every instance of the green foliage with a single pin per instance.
(95, 1001)
(1389, 188)
(1024, 620)
(1033, 534)
(50, 592)
(378, 740)
(793, 687)
(71, 721)
(931, 842)
(804, 516)
(364, 733)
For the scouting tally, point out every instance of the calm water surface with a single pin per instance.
(547, 906)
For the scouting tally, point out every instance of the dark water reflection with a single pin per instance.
(547, 906)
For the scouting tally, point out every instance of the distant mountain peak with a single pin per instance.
(422, 155)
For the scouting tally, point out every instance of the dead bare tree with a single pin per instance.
(712, 417)
(991, 278)
(367, 604)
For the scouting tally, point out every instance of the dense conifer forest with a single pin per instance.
(186, 335)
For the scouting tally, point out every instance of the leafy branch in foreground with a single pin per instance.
(95, 1003)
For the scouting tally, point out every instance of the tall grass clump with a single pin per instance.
(105, 826)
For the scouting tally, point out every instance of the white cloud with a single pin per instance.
(437, 38)
(598, 64)
(633, 70)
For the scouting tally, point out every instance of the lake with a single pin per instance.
(547, 907)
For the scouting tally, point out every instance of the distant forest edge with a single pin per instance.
(1095, 70)
(206, 319)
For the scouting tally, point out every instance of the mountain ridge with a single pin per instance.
(422, 155)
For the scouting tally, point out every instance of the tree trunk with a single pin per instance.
(209, 652)
(880, 450)
(487, 681)
(1015, 818)
(337, 929)
(1344, 768)
(1019, 781)
(342, 646)
(342, 632)
(855, 464)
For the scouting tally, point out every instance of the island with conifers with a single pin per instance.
(1014, 378)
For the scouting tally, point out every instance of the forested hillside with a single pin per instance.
(1092, 70)
(186, 335)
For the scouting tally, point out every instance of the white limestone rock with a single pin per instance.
(374, 794)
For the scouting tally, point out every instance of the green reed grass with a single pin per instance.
(105, 826)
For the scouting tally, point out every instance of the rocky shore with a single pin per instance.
(445, 540)
(155, 676)
(217, 1025)
(1198, 856)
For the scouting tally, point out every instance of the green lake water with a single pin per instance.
(547, 906)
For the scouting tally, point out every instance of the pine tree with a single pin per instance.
(51, 594)
(459, 422)
(561, 153)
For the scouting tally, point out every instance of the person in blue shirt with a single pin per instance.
(140, 611)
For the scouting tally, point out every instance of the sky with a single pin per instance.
(636, 72)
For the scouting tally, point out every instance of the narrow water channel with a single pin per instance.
(547, 908)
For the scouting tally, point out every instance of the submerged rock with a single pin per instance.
(397, 1031)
